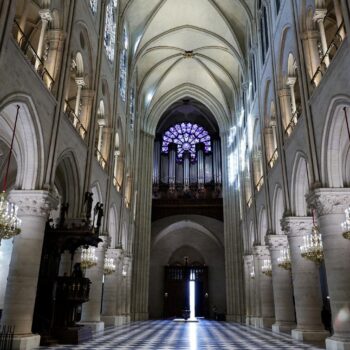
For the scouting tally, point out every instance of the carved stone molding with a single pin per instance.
(296, 226)
(33, 203)
(329, 200)
(277, 241)
(261, 251)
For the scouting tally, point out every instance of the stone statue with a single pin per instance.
(98, 210)
(63, 213)
(88, 205)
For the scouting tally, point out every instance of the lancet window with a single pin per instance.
(110, 29)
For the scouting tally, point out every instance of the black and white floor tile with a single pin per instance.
(204, 335)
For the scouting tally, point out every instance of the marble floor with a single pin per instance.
(204, 335)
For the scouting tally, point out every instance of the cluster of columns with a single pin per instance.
(291, 300)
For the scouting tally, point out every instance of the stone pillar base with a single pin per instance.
(255, 322)
(95, 326)
(235, 318)
(334, 343)
(283, 327)
(115, 320)
(305, 335)
(141, 316)
(247, 320)
(29, 342)
(266, 322)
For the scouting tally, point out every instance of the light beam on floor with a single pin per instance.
(192, 299)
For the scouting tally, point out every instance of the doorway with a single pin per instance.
(186, 288)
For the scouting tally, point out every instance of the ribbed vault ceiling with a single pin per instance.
(188, 45)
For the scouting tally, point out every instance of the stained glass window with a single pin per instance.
(110, 27)
(123, 66)
(93, 6)
(186, 136)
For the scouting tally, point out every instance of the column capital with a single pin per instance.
(80, 81)
(291, 81)
(33, 202)
(277, 241)
(329, 200)
(261, 251)
(101, 122)
(45, 15)
(319, 15)
(295, 226)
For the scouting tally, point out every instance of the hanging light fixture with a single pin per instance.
(266, 267)
(252, 273)
(284, 261)
(88, 258)
(109, 266)
(312, 248)
(346, 224)
(9, 222)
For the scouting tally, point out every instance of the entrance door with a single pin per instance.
(177, 290)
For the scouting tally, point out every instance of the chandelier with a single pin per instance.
(88, 258)
(346, 224)
(109, 266)
(312, 248)
(284, 261)
(266, 267)
(9, 222)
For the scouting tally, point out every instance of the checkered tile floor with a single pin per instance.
(205, 335)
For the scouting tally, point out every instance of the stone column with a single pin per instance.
(5, 258)
(86, 99)
(80, 84)
(284, 96)
(306, 283)
(34, 207)
(46, 17)
(330, 204)
(56, 39)
(111, 289)
(247, 280)
(291, 83)
(282, 286)
(101, 124)
(319, 17)
(125, 290)
(142, 236)
(91, 313)
(256, 294)
(310, 42)
(264, 287)
(115, 171)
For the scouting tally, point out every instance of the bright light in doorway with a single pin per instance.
(192, 299)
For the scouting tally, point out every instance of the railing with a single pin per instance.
(273, 158)
(259, 183)
(331, 51)
(100, 159)
(292, 123)
(32, 56)
(75, 120)
(6, 337)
